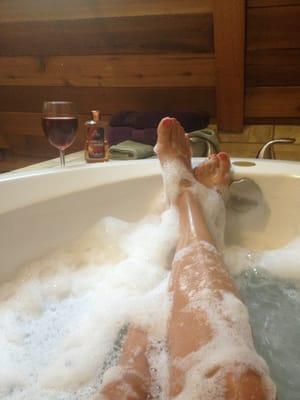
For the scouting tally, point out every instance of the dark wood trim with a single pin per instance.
(229, 36)
(272, 3)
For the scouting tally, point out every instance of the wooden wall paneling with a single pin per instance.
(158, 70)
(14, 10)
(229, 34)
(241, 149)
(250, 134)
(109, 100)
(273, 28)
(38, 146)
(111, 55)
(15, 162)
(271, 3)
(287, 152)
(273, 120)
(288, 131)
(29, 124)
(273, 102)
(273, 67)
(120, 35)
(3, 144)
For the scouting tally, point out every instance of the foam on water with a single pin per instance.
(62, 317)
(282, 263)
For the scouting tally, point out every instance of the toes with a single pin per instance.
(179, 136)
(224, 162)
(164, 131)
(214, 171)
(213, 164)
(181, 142)
(175, 138)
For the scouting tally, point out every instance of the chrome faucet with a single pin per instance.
(205, 137)
(267, 150)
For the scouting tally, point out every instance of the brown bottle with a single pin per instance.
(96, 146)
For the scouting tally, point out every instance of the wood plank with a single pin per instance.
(109, 100)
(273, 102)
(229, 36)
(118, 35)
(29, 124)
(240, 137)
(273, 120)
(271, 3)
(16, 10)
(241, 149)
(37, 146)
(285, 131)
(273, 28)
(3, 143)
(287, 152)
(260, 133)
(10, 163)
(159, 70)
(250, 134)
(273, 67)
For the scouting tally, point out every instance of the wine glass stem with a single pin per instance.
(62, 158)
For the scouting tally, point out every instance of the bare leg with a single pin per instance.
(198, 267)
(132, 379)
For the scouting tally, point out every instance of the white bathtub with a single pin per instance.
(42, 210)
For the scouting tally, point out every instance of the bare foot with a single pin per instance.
(214, 172)
(172, 143)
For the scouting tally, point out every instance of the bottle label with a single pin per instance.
(95, 149)
(95, 142)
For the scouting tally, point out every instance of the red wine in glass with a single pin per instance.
(60, 131)
(60, 123)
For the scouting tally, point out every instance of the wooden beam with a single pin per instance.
(229, 36)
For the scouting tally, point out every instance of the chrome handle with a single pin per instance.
(211, 148)
(267, 150)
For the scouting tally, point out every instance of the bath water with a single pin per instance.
(62, 318)
(274, 308)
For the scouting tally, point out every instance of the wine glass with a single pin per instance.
(60, 123)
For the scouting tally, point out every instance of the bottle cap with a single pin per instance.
(95, 115)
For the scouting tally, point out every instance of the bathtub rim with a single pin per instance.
(20, 189)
